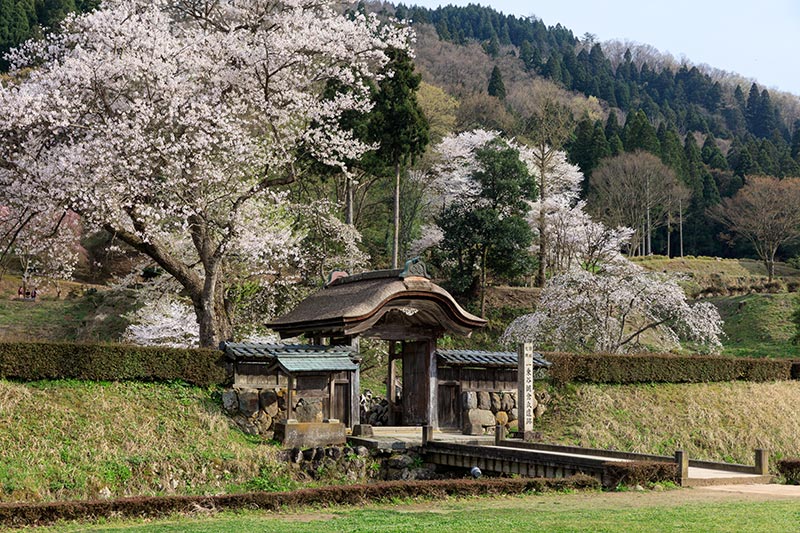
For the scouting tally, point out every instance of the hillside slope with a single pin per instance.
(79, 440)
(716, 421)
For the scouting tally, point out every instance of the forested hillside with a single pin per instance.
(21, 20)
(501, 150)
(712, 128)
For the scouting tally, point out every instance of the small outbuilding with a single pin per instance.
(472, 384)
(309, 383)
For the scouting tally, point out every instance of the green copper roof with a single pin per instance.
(296, 357)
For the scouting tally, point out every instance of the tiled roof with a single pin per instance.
(296, 357)
(485, 358)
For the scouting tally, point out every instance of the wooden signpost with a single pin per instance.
(525, 392)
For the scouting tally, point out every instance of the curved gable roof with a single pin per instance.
(381, 304)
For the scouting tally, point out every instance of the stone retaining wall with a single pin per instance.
(481, 411)
(256, 410)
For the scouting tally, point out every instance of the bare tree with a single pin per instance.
(766, 212)
(637, 190)
(546, 129)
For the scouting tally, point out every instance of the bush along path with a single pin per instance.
(38, 514)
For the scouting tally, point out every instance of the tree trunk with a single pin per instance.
(213, 318)
(669, 237)
(542, 225)
(348, 201)
(483, 282)
(680, 223)
(207, 293)
(396, 244)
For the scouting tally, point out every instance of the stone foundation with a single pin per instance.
(255, 411)
(481, 411)
(374, 409)
(359, 463)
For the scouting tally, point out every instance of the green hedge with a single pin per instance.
(29, 361)
(40, 514)
(665, 368)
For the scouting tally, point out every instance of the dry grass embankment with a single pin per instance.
(716, 421)
(79, 440)
(713, 276)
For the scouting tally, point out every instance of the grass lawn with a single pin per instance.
(758, 325)
(672, 510)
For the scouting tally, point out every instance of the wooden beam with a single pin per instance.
(289, 399)
(433, 388)
(390, 380)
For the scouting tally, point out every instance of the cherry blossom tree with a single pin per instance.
(613, 309)
(48, 249)
(170, 124)
(577, 241)
(596, 299)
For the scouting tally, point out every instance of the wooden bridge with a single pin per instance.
(513, 456)
(542, 460)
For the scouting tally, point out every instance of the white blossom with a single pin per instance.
(616, 309)
(167, 125)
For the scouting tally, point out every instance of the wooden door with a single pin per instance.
(449, 412)
(419, 396)
(340, 409)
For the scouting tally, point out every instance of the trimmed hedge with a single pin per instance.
(790, 470)
(664, 368)
(28, 361)
(38, 514)
(638, 473)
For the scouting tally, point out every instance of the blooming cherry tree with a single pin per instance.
(613, 309)
(46, 244)
(170, 124)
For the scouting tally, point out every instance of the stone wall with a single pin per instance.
(340, 463)
(256, 410)
(481, 411)
(374, 409)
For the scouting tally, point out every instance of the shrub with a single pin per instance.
(28, 514)
(665, 368)
(790, 470)
(28, 361)
(638, 473)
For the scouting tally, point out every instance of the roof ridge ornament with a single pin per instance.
(415, 267)
(336, 274)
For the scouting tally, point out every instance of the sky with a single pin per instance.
(757, 39)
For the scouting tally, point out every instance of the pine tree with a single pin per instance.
(712, 155)
(552, 69)
(399, 125)
(496, 86)
(639, 134)
(580, 149)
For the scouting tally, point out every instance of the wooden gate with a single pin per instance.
(449, 412)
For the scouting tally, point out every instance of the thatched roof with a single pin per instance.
(386, 304)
